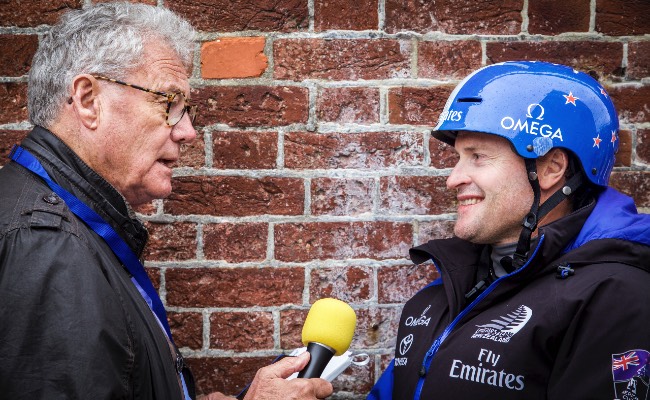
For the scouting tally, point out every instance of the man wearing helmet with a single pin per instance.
(556, 306)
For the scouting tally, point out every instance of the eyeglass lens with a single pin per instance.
(177, 109)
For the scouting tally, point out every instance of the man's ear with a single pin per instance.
(551, 168)
(85, 100)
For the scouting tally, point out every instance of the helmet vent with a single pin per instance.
(470, 100)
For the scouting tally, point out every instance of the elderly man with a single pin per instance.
(555, 307)
(79, 318)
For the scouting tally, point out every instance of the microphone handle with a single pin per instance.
(320, 356)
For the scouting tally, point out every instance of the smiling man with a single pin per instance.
(109, 96)
(543, 291)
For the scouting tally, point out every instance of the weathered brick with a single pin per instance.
(13, 102)
(355, 379)
(348, 105)
(154, 276)
(225, 374)
(233, 57)
(291, 323)
(171, 242)
(244, 150)
(454, 16)
(635, 184)
(435, 230)
(341, 240)
(240, 287)
(624, 155)
(150, 2)
(549, 17)
(236, 196)
(243, 15)
(145, 208)
(243, 106)
(341, 196)
(348, 284)
(8, 139)
(416, 195)
(417, 106)
(632, 102)
(442, 154)
(376, 328)
(17, 53)
(398, 283)
(235, 242)
(341, 59)
(34, 13)
(600, 59)
(241, 331)
(359, 150)
(187, 329)
(638, 60)
(346, 15)
(643, 145)
(193, 155)
(622, 18)
(448, 59)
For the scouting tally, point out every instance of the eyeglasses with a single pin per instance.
(177, 104)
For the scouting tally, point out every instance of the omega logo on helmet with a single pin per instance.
(532, 125)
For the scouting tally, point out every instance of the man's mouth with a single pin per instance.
(469, 202)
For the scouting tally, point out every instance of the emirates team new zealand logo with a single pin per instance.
(504, 328)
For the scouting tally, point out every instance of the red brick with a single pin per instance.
(348, 105)
(442, 154)
(244, 15)
(291, 323)
(236, 196)
(146, 208)
(435, 230)
(417, 106)
(17, 53)
(341, 240)
(349, 284)
(34, 13)
(244, 150)
(171, 242)
(235, 242)
(13, 102)
(454, 16)
(549, 17)
(193, 155)
(227, 287)
(341, 196)
(638, 60)
(341, 59)
(643, 145)
(376, 328)
(150, 2)
(243, 106)
(241, 331)
(355, 379)
(345, 15)
(448, 59)
(635, 184)
(225, 374)
(187, 329)
(632, 102)
(623, 18)
(600, 59)
(397, 284)
(154, 276)
(233, 57)
(7, 140)
(359, 150)
(624, 155)
(416, 195)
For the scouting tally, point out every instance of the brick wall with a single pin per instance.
(314, 170)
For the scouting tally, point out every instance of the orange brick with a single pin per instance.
(233, 58)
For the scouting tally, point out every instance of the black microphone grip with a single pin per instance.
(320, 356)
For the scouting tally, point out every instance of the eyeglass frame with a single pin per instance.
(190, 109)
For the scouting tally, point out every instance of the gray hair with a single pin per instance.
(106, 39)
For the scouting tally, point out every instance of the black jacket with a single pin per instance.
(72, 324)
(537, 333)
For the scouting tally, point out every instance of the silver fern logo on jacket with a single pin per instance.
(503, 329)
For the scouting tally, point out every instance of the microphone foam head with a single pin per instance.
(330, 322)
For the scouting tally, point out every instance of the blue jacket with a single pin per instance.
(539, 332)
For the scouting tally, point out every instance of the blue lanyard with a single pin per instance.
(114, 241)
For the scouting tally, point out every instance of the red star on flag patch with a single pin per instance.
(597, 141)
(570, 98)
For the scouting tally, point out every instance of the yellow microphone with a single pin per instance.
(328, 331)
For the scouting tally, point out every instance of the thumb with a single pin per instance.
(287, 366)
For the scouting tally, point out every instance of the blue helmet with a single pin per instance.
(537, 106)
